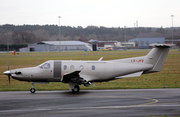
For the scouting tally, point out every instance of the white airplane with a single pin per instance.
(86, 72)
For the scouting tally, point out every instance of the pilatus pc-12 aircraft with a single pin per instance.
(86, 72)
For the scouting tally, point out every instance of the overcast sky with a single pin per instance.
(108, 13)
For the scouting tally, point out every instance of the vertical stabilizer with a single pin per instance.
(157, 56)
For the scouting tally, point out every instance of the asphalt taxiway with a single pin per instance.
(104, 103)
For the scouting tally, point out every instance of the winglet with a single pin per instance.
(100, 59)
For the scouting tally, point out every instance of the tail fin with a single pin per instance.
(157, 56)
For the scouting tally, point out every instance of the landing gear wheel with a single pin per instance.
(76, 89)
(32, 90)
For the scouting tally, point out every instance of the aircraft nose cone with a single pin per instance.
(7, 72)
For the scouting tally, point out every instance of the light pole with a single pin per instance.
(172, 28)
(59, 35)
(7, 43)
(125, 36)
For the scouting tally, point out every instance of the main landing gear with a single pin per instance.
(74, 87)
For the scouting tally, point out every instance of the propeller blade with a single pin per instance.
(9, 78)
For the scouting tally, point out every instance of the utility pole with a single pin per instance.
(7, 43)
(59, 35)
(172, 29)
(136, 23)
(125, 36)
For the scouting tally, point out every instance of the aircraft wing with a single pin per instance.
(75, 73)
(74, 77)
(130, 75)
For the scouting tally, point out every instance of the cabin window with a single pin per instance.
(81, 67)
(65, 67)
(72, 67)
(93, 67)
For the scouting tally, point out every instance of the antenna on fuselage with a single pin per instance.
(100, 59)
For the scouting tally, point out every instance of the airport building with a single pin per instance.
(144, 42)
(111, 45)
(174, 41)
(57, 46)
(105, 44)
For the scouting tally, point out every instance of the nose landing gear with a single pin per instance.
(33, 90)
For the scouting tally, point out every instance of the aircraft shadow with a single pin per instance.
(69, 93)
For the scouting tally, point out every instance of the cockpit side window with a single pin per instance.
(44, 66)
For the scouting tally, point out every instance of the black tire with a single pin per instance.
(32, 90)
(76, 89)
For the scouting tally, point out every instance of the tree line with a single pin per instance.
(12, 47)
(28, 34)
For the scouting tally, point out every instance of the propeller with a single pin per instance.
(8, 73)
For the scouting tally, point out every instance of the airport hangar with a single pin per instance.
(45, 46)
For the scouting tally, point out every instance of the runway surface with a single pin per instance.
(91, 103)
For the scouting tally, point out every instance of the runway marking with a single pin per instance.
(115, 107)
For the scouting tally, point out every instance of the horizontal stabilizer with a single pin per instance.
(162, 45)
(130, 75)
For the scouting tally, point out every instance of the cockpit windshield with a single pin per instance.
(44, 66)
